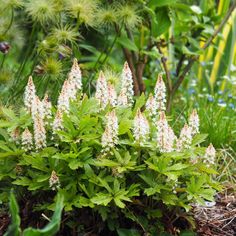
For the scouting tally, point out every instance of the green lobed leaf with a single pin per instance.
(14, 227)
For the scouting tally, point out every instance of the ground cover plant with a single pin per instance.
(107, 156)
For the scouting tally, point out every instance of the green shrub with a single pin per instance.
(103, 153)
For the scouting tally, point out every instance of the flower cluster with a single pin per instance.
(70, 88)
(39, 133)
(140, 128)
(38, 111)
(29, 94)
(112, 96)
(160, 94)
(47, 107)
(210, 155)
(57, 122)
(122, 98)
(15, 135)
(110, 135)
(54, 182)
(126, 86)
(27, 140)
(185, 138)
(106, 95)
(151, 105)
(165, 135)
(101, 90)
(75, 76)
(194, 122)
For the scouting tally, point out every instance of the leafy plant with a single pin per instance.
(103, 154)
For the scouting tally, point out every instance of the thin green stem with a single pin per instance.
(11, 21)
(102, 63)
(3, 60)
(26, 56)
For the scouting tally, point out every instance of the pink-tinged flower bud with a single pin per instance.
(112, 96)
(15, 135)
(110, 135)
(27, 140)
(194, 122)
(160, 94)
(151, 106)
(57, 123)
(39, 133)
(54, 182)
(75, 75)
(140, 128)
(37, 108)
(70, 88)
(63, 102)
(47, 107)
(185, 138)
(122, 98)
(210, 155)
(101, 93)
(165, 135)
(127, 83)
(29, 95)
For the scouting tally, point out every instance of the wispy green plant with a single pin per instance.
(65, 34)
(107, 17)
(52, 67)
(128, 15)
(42, 11)
(83, 10)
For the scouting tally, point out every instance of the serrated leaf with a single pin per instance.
(101, 199)
(75, 164)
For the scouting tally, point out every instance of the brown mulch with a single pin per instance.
(218, 220)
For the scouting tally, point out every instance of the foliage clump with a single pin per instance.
(111, 158)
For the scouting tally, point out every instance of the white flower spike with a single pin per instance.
(194, 122)
(127, 83)
(110, 135)
(112, 96)
(27, 140)
(141, 128)
(57, 123)
(165, 135)
(47, 107)
(39, 133)
(151, 106)
(29, 95)
(210, 155)
(185, 138)
(160, 94)
(75, 75)
(101, 93)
